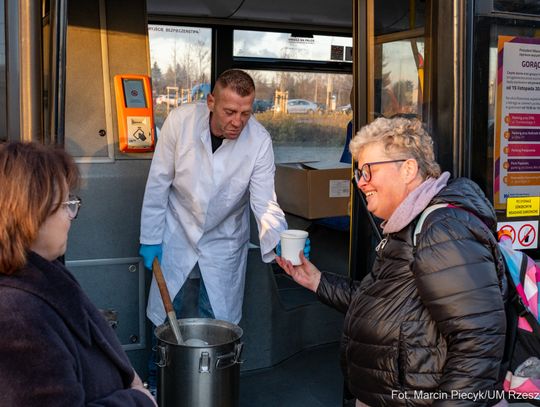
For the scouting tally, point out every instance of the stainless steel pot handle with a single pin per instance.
(163, 355)
(231, 358)
(204, 363)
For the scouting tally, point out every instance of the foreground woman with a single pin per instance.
(55, 347)
(427, 325)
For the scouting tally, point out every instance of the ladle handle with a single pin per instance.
(166, 298)
(160, 280)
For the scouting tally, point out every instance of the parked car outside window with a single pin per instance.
(261, 105)
(344, 109)
(171, 100)
(301, 106)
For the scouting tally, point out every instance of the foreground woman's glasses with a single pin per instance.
(365, 171)
(72, 206)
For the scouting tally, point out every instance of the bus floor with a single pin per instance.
(310, 378)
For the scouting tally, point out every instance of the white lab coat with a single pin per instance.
(196, 205)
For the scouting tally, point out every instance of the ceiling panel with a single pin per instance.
(337, 13)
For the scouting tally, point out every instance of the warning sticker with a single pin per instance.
(524, 234)
(523, 206)
(527, 235)
(510, 230)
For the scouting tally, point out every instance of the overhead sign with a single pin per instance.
(529, 206)
(336, 52)
(348, 54)
(524, 234)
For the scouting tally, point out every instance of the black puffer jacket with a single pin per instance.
(430, 318)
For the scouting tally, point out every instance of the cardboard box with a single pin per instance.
(314, 190)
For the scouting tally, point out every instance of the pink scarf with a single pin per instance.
(415, 203)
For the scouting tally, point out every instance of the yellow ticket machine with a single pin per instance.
(134, 111)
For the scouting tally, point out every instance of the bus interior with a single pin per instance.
(318, 65)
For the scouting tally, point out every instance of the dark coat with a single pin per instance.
(55, 347)
(430, 318)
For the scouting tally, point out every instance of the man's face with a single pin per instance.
(230, 112)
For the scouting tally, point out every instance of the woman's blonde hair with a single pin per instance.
(401, 138)
(33, 180)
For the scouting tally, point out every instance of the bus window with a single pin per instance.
(399, 77)
(398, 16)
(304, 108)
(180, 59)
(305, 113)
(398, 58)
(504, 162)
(524, 7)
(527, 31)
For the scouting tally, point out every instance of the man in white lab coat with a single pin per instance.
(211, 160)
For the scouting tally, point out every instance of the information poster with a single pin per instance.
(517, 120)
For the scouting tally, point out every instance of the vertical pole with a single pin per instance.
(57, 76)
(13, 75)
(30, 65)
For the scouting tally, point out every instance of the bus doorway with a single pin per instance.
(390, 75)
(504, 163)
(76, 51)
(399, 57)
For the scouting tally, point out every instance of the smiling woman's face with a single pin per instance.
(387, 187)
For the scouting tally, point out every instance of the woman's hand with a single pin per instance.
(306, 274)
(137, 384)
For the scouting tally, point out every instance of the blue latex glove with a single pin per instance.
(149, 252)
(307, 249)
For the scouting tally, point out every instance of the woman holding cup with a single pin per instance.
(429, 319)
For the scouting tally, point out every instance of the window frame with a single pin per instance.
(222, 50)
(293, 65)
(223, 58)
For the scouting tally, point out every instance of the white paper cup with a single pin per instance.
(292, 243)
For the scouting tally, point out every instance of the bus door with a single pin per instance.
(505, 114)
(393, 47)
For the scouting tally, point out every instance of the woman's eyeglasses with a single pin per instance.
(72, 206)
(365, 170)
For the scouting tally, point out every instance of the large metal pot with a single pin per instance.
(205, 370)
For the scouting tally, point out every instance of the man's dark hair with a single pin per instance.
(237, 80)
